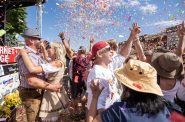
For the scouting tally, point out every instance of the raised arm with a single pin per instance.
(139, 49)
(126, 48)
(69, 43)
(33, 69)
(43, 46)
(91, 43)
(66, 45)
(181, 44)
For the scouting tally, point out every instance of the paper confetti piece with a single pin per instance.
(172, 17)
(182, 11)
(177, 4)
(129, 18)
(121, 36)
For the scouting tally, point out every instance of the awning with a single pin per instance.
(10, 4)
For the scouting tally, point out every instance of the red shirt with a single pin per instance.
(80, 66)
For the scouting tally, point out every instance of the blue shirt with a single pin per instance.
(118, 112)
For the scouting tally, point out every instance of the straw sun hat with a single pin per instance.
(139, 76)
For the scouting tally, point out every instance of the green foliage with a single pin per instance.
(15, 24)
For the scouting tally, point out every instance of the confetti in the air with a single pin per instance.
(102, 18)
(121, 36)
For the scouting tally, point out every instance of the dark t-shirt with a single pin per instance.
(118, 112)
(80, 66)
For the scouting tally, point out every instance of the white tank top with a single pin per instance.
(170, 94)
(181, 91)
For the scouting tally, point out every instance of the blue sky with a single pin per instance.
(105, 19)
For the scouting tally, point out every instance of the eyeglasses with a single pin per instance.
(48, 47)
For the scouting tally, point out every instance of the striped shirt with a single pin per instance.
(23, 71)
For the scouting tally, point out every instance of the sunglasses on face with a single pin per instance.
(48, 47)
(107, 49)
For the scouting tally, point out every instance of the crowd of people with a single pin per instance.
(155, 43)
(107, 83)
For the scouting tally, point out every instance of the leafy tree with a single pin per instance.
(15, 24)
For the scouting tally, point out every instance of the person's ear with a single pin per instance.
(98, 54)
(31, 41)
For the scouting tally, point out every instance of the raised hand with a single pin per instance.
(96, 90)
(69, 41)
(46, 43)
(62, 36)
(92, 39)
(181, 30)
(135, 30)
(42, 45)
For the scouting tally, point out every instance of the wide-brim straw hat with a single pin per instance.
(168, 65)
(139, 76)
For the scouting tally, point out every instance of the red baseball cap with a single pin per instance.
(96, 47)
